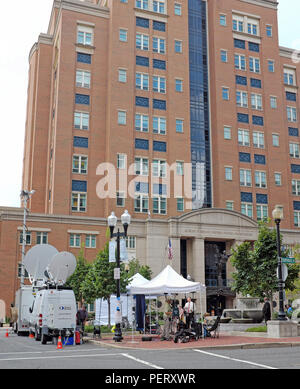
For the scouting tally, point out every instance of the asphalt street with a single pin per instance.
(25, 353)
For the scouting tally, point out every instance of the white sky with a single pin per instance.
(30, 18)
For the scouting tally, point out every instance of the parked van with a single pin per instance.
(53, 313)
(21, 327)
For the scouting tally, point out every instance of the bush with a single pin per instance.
(257, 329)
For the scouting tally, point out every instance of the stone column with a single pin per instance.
(197, 270)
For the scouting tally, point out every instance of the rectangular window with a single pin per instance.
(240, 62)
(120, 201)
(245, 177)
(296, 187)
(229, 205)
(177, 9)
(256, 101)
(141, 203)
(78, 202)
(141, 122)
(123, 35)
(228, 173)
(142, 4)
(179, 168)
(243, 137)
(159, 45)
(130, 242)
(291, 114)
(122, 117)
(178, 46)
(297, 218)
(80, 164)
(81, 120)
(242, 99)
(254, 65)
(85, 35)
(273, 102)
(247, 209)
(260, 179)
(159, 6)
(141, 166)
(269, 31)
(224, 56)
(159, 125)
(238, 23)
(252, 28)
(261, 212)
(227, 133)
(142, 81)
(121, 161)
(122, 75)
(225, 93)
(159, 84)
(223, 20)
(159, 205)
(258, 140)
(275, 140)
(178, 85)
(289, 76)
(159, 168)
(179, 125)
(74, 240)
(277, 179)
(180, 204)
(42, 238)
(90, 241)
(142, 42)
(294, 150)
(27, 238)
(271, 66)
(83, 79)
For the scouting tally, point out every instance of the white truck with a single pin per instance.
(21, 327)
(53, 313)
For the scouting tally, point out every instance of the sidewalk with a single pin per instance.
(226, 340)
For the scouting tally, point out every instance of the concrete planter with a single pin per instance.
(282, 329)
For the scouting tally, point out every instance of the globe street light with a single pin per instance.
(278, 216)
(112, 222)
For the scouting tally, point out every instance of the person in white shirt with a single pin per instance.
(189, 311)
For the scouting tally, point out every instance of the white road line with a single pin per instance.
(236, 360)
(50, 351)
(141, 361)
(58, 356)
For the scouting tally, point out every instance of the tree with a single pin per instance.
(77, 278)
(256, 267)
(136, 267)
(100, 282)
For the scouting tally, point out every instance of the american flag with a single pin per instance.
(170, 251)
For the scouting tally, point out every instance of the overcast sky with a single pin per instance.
(30, 18)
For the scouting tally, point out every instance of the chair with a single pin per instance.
(214, 329)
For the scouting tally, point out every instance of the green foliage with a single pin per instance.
(99, 281)
(257, 329)
(78, 276)
(256, 267)
(136, 267)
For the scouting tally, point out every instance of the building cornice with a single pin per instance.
(263, 3)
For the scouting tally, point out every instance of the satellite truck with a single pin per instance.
(53, 310)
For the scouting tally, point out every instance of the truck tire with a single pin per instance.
(44, 339)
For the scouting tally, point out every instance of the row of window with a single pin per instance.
(156, 6)
(258, 138)
(245, 24)
(159, 83)
(141, 166)
(260, 177)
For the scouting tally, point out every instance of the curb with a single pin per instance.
(241, 346)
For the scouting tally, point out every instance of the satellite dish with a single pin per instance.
(37, 259)
(61, 267)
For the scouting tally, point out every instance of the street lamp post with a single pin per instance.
(25, 196)
(112, 222)
(277, 216)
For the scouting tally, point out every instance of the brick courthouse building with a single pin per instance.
(156, 96)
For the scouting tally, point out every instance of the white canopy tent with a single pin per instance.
(168, 281)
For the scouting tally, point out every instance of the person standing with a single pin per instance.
(189, 311)
(82, 317)
(167, 320)
(266, 310)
